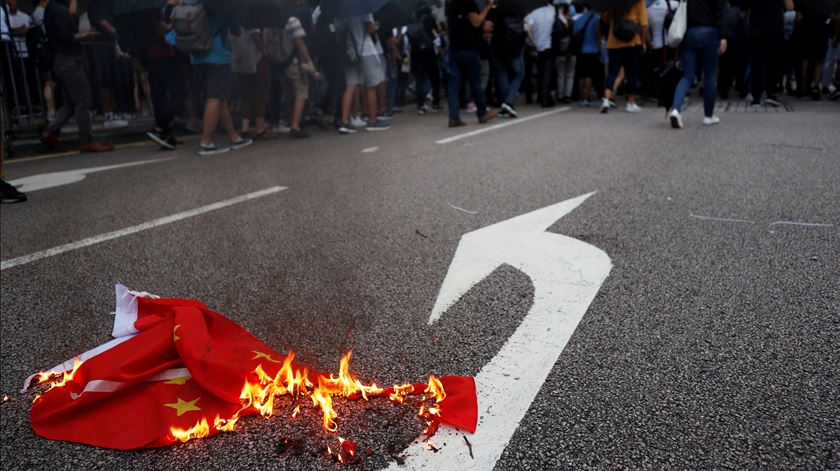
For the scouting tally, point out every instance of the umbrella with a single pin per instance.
(351, 8)
(121, 7)
(619, 5)
(253, 13)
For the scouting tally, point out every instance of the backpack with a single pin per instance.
(350, 53)
(513, 34)
(576, 43)
(280, 48)
(421, 42)
(559, 34)
(36, 44)
(191, 24)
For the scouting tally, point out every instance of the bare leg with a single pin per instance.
(49, 97)
(371, 104)
(246, 124)
(227, 123)
(212, 108)
(380, 98)
(297, 113)
(259, 126)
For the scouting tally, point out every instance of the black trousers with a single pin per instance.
(545, 66)
(425, 69)
(167, 89)
(733, 68)
(765, 60)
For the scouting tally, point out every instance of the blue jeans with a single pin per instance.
(464, 64)
(509, 75)
(699, 42)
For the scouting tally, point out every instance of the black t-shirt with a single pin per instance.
(61, 28)
(766, 16)
(462, 34)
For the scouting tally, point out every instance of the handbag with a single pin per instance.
(676, 32)
(624, 30)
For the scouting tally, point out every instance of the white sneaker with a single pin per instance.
(357, 122)
(632, 108)
(709, 121)
(605, 106)
(115, 123)
(676, 119)
(509, 110)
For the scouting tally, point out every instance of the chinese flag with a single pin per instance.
(174, 363)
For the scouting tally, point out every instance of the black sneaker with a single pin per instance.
(298, 134)
(163, 140)
(10, 194)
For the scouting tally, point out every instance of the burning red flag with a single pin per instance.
(177, 370)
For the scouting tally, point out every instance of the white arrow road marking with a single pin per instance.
(494, 127)
(566, 274)
(135, 229)
(43, 181)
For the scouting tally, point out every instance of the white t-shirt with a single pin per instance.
(540, 22)
(18, 20)
(38, 16)
(657, 11)
(364, 41)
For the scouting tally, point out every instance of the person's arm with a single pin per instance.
(477, 19)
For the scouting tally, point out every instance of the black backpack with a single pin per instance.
(421, 42)
(513, 34)
(559, 32)
(576, 43)
(39, 51)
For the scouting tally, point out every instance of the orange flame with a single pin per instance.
(435, 389)
(296, 412)
(65, 377)
(201, 429)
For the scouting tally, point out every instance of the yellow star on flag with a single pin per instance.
(175, 337)
(258, 355)
(183, 406)
(179, 380)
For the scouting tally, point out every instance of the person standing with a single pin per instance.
(766, 41)
(372, 67)
(214, 73)
(424, 62)
(627, 40)
(588, 66)
(507, 47)
(704, 41)
(566, 60)
(63, 40)
(538, 25)
(464, 21)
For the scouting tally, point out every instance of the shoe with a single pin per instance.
(115, 123)
(242, 142)
(357, 122)
(711, 120)
(162, 139)
(456, 123)
(676, 119)
(835, 95)
(504, 114)
(93, 146)
(772, 101)
(173, 142)
(488, 116)
(421, 112)
(509, 110)
(755, 105)
(613, 104)
(10, 194)
(605, 106)
(346, 128)
(280, 128)
(50, 139)
(436, 108)
(378, 126)
(298, 134)
(471, 108)
(211, 149)
(632, 108)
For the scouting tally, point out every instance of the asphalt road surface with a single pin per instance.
(712, 343)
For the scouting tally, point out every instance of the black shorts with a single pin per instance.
(588, 66)
(215, 79)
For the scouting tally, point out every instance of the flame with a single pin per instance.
(65, 377)
(296, 412)
(400, 392)
(201, 429)
(224, 425)
(435, 389)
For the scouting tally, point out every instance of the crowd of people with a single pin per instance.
(199, 67)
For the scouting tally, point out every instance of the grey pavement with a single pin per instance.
(712, 344)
